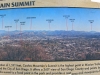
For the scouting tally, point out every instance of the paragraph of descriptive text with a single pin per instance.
(49, 68)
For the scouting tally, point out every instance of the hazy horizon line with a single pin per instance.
(51, 30)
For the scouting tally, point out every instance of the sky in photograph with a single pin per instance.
(81, 16)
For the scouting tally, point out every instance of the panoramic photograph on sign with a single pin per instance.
(49, 34)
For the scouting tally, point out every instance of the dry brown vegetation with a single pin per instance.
(24, 52)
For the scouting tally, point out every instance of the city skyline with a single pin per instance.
(81, 16)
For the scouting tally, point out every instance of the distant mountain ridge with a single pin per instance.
(55, 33)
